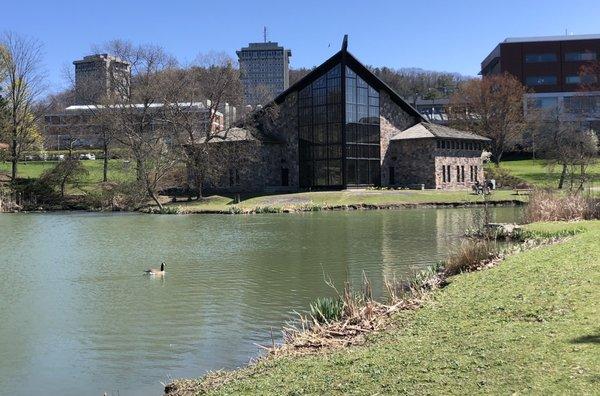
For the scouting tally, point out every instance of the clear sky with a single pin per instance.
(441, 35)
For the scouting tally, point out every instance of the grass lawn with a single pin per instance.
(527, 326)
(539, 174)
(117, 170)
(345, 197)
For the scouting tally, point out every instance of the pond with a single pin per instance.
(79, 318)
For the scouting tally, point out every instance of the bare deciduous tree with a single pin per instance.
(491, 107)
(417, 83)
(208, 143)
(136, 117)
(590, 76)
(572, 146)
(298, 74)
(23, 86)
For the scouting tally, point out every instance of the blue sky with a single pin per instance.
(437, 35)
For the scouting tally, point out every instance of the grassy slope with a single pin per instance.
(537, 173)
(529, 325)
(117, 171)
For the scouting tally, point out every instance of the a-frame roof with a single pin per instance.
(357, 67)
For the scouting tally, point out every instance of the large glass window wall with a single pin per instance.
(323, 149)
(362, 132)
(319, 119)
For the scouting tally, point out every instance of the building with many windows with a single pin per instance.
(264, 71)
(96, 76)
(78, 126)
(342, 127)
(551, 68)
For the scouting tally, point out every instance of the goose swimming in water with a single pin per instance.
(156, 271)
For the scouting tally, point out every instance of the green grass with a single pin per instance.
(539, 174)
(117, 171)
(527, 326)
(316, 200)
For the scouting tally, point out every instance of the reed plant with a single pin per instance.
(327, 309)
(470, 255)
(545, 205)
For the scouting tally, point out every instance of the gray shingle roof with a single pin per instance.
(425, 130)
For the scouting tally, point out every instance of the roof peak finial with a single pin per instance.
(345, 43)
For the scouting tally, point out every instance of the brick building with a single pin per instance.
(342, 127)
(550, 67)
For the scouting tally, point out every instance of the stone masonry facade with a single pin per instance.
(420, 162)
(392, 121)
(413, 162)
(270, 164)
(463, 168)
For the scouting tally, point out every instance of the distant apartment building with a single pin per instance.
(99, 75)
(550, 67)
(264, 69)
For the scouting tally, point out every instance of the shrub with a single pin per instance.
(469, 256)
(117, 196)
(550, 206)
(327, 309)
(171, 209)
(309, 207)
(504, 178)
(65, 172)
(236, 210)
(268, 209)
(32, 192)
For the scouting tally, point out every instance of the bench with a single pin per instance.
(522, 191)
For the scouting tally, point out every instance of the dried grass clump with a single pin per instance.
(470, 255)
(357, 312)
(550, 206)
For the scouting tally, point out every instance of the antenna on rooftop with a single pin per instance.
(265, 33)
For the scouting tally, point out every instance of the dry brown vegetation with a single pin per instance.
(551, 206)
(470, 255)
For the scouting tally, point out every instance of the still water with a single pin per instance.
(77, 317)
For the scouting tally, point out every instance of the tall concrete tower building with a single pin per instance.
(265, 71)
(99, 75)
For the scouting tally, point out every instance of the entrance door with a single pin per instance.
(285, 177)
(392, 176)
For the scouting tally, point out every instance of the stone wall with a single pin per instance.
(286, 129)
(392, 120)
(260, 169)
(413, 162)
(419, 161)
(460, 158)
